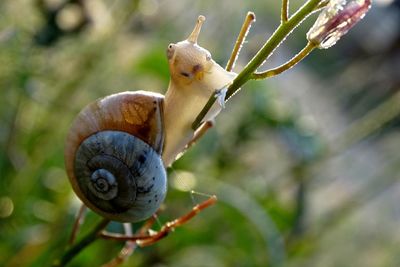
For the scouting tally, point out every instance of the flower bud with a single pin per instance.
(336, 20)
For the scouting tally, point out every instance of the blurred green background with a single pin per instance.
(305, 165)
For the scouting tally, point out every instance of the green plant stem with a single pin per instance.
(278, 70)
(83, 243)
(273, 42)
(284, 11)
(322, 4)
(250, 18)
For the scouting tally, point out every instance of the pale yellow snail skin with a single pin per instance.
(195, 76)
(118, 146)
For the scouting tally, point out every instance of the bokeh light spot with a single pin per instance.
(6, 207)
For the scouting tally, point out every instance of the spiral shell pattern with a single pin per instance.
(112, 156)
(120, 173)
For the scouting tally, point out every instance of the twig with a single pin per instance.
(128, 248)
(80, 217)
(278, 70)
(250, 18)
(284, 11)
(273, 42)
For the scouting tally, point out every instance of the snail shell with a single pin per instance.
(112, 156)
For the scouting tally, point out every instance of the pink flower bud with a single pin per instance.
(336, 20)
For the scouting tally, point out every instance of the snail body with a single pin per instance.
(118, 147)
(195, 76)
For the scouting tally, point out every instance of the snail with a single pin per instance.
(118, 146)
